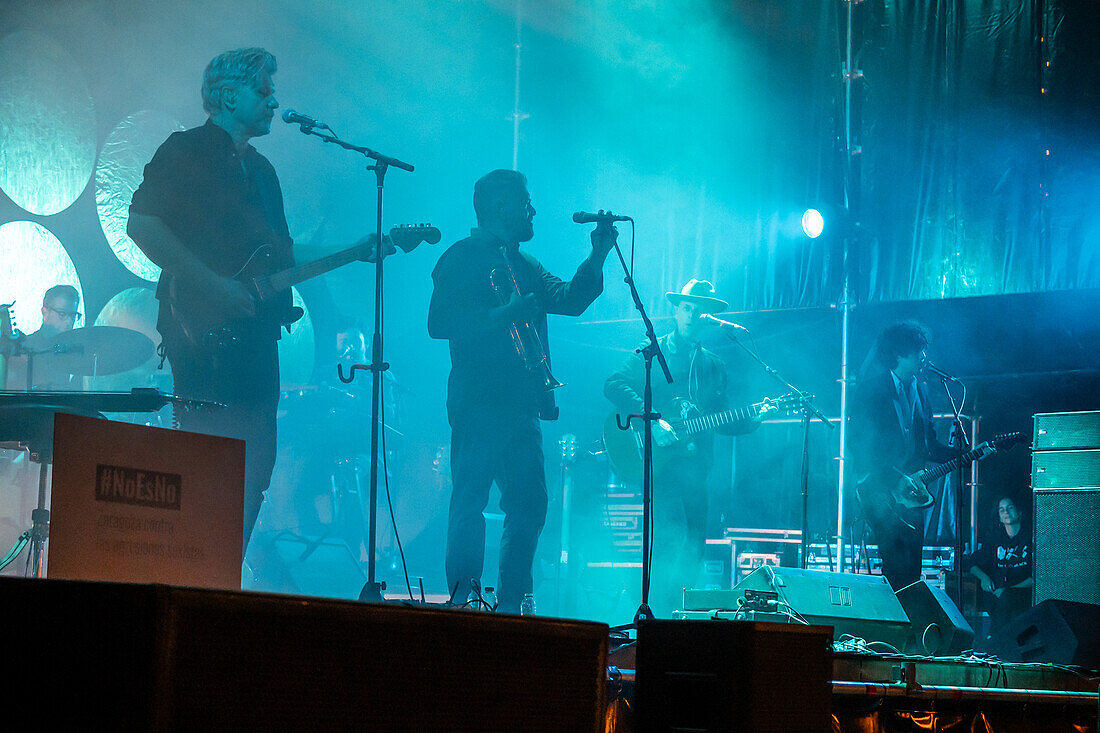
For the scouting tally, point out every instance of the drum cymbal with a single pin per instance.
(96, 350)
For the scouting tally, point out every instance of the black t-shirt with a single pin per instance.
(221, 204)
(1007, 560)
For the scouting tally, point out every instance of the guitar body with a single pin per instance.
(886, 494)
(624, 448)
(203, 324)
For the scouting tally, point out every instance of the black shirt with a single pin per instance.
(221, 204)
(485, 368)
(1006, 560)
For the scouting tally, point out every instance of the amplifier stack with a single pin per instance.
(1065, 478)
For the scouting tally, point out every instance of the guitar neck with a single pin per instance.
(300, 273)
(945, 468)
(700, 424)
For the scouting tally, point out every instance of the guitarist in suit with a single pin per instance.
(679, 495)
(208, 202)
(891, 434)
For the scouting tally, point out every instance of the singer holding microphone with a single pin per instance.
(700, 386)
(500, 384)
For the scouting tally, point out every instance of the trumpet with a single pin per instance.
(525, 337)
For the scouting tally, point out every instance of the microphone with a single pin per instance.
(929, 366)
(583, 217)
(707, 317)
(297, 118)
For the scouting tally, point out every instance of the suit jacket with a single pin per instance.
(878, 442)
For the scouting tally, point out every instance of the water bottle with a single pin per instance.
(473, 598)
(527, 605)
(490, 598)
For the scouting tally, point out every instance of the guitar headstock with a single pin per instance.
(7, 322)
(789, 404)
(568, 445)
(409, 236)
(1007, 440)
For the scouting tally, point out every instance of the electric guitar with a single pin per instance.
(624, 447)
(910, 492)
(202, 323)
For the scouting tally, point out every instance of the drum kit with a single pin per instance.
(92, 352)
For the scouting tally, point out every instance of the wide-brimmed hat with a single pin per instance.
(701, 293)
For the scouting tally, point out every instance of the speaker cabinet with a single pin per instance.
(1065, 469)
(160, 658)
(732, 676)
(860, 605)
(1057, 632)
(1067, 545)
(1066, 430)
(938, 627)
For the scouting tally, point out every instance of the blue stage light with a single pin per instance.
(813, 223)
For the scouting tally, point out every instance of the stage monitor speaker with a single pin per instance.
(938, 627)
(1065, 469)
(1066, 430)
(1067, 545)
(1056, 632)
(860, 605)
(732, 676)
(160, 658)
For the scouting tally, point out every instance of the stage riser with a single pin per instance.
(159, 658)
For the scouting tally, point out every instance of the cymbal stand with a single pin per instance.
(372, 591)
(39, 533)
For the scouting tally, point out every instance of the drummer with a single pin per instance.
(60, 313)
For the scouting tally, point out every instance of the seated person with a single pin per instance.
(1002, 565)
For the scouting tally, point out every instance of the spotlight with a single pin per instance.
(813, 223)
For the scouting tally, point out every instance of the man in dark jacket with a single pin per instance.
(494, 398)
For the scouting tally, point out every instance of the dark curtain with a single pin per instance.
(978, 124)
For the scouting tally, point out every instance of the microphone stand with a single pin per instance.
(372, 590)
(805, 401)
(962, 445)
(648, 417)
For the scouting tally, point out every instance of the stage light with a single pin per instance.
(813, 223)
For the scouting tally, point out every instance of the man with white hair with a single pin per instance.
(207, 203)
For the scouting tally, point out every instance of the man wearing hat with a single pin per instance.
(699, 387)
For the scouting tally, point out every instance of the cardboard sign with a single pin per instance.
(136, 504)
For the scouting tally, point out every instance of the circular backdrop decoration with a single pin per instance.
(118, 173)
(32, 260)
(296, 349)
(47, 124)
